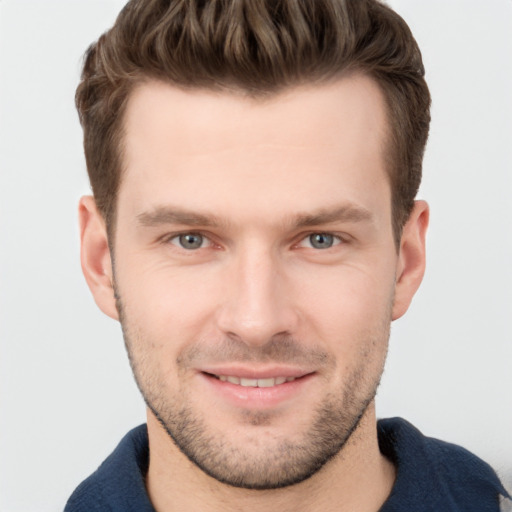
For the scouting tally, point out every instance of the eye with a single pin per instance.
(190, 241)
(321, 241)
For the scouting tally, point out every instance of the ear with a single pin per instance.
(95, 256)
(411, 258)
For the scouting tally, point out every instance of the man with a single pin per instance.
(254, 168)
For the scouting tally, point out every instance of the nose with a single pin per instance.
(258, 303)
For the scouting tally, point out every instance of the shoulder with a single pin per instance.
(435, 473)
(118, 484)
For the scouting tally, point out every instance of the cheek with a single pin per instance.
(336, 305)
(343, 292)
(348, 308)
(167, 302)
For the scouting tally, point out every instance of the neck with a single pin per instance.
(358, 478)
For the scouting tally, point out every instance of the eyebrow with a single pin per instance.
(345, 213)
(170, 215)
(163, 215)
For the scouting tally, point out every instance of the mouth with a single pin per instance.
(245, 382)
(257, 388)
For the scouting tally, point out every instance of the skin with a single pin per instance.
(256, 179)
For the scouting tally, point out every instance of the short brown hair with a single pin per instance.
(258, 47)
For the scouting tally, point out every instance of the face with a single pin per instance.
(255, 271)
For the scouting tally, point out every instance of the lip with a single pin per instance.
(257, 373)
(255, 398)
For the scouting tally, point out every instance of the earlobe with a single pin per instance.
(95, 256)
(411, 258)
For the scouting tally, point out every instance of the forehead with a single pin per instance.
(184, 145)
(339, 110)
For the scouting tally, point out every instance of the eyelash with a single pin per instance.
(176, 236)
(337, 240)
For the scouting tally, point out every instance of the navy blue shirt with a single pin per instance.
(432, 476)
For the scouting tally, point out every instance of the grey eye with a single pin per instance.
(321, 240)
(191, 241)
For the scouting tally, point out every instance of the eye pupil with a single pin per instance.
(321, 240)
(191, 241)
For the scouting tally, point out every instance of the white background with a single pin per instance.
(66, 391)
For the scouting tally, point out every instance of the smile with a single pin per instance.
(256, 388)
(254, 383)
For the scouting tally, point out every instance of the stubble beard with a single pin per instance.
(285, 462)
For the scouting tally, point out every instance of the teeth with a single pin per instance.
(249, 383)
(255, 383)
(266, 383)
